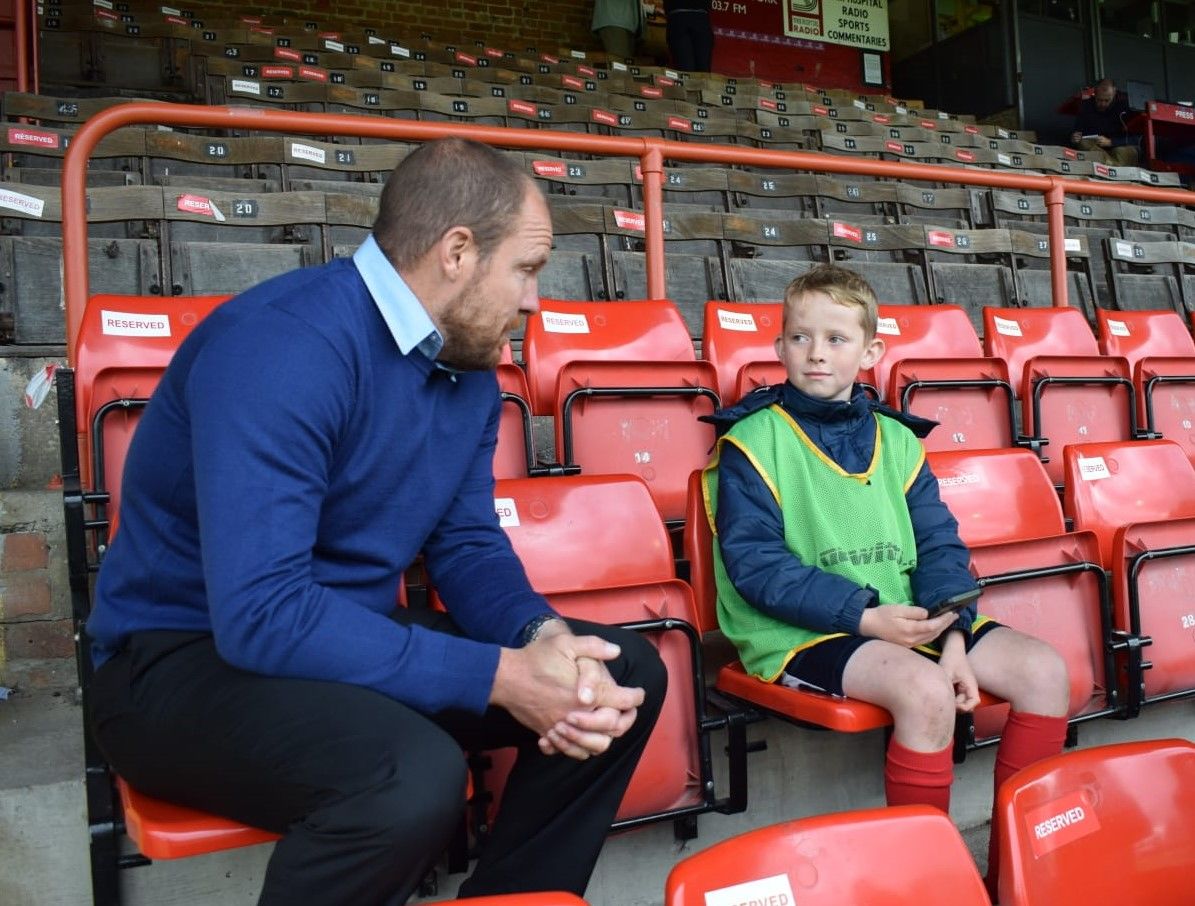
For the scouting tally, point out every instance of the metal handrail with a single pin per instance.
(651, 153)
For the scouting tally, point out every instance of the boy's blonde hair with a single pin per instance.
(842, 285)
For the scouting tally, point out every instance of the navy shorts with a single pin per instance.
(820, 666)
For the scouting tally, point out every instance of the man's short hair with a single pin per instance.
(843, 286)
(443, 184)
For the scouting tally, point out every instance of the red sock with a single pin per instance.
(1027, 738)
(918, 778)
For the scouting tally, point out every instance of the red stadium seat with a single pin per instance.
(163, 830)
(909, 855)
(933, 367)
(1111, 824)
(802, 705)
(125, 343)
(626, 390)
(738, 338)
(1161, 356)
(1139, 500)
(1037, 577)
(596, 547)
(515, 455)
(1069, 392)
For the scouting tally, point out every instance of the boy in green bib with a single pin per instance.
(831, 535)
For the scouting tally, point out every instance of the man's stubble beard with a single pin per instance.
(464, 348)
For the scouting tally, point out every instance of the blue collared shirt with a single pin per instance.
(408, 320)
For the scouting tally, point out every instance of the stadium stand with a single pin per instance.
(1109, 824)
(730, 229)
(887, 857)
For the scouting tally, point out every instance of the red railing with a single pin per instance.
(651, 152)
(25, 36)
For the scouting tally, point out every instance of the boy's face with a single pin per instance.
(823, 346)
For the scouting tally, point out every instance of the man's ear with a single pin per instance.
(455, 251)
(873, 353)
(778, 345)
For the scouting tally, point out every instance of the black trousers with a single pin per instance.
(690, 39)
(365, 790)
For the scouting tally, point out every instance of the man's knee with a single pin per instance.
(639, 664)
(416, 793)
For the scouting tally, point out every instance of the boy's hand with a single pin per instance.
(904, 625)
(958, 670)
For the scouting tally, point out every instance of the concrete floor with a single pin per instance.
(43, 836)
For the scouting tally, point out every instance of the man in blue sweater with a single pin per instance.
(309, 439)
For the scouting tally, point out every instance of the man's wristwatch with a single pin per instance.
(532, 630)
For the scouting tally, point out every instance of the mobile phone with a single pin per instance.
(958, 602)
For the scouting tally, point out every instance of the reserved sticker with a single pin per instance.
(1008, 327)
(629, 220)
(246, 86)
(773, 891)
(25, 204)
(1093, 468)
(1124, 249)
(1118, 328)
(128, 324)
(737, 320)
(1065, 820)
(559, 322)
(888, 327)
(307, 152)
(507, 512)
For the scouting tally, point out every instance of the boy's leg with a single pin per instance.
(365, 791)
(1032, 677)
(918, 766)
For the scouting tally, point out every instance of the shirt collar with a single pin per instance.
(404, 314)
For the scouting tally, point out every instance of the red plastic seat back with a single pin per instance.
(584, 531)
(698, 541)
(1111, 824)
(922, 332)
(562, 332)
(900, 856)
(736, 335)
(1137, 334)
(997, 495)
(595, 546)
(511, 456)
(1114, 484)
(968, 397)
(1162, 607)
(642, 419)
(125, 343)
(1170, 381)
(1018, 334)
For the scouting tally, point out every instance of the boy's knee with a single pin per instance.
(927, 704)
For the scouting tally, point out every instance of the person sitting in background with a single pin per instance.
(1100, 127)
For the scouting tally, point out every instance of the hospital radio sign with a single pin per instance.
(857, 23)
